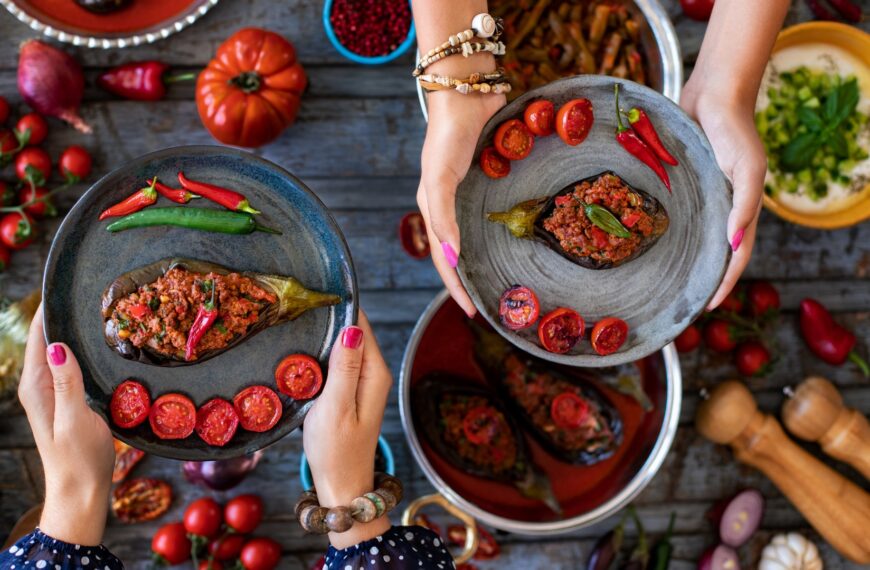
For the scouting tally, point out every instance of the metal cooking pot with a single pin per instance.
(633, 470)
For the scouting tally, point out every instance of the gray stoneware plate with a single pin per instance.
(85, 258)
(659, 293)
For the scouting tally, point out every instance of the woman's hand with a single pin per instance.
(74, 443)
(342, 427)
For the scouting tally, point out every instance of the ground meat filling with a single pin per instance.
(160, 314)
(535, 392)
(580, 237)
(498, 456)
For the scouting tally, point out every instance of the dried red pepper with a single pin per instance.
(140, 80)
(826, 338)
(205, 318)
(629, 140)
(177, 195)
(227, 198)
(640, 123)
(142, 198)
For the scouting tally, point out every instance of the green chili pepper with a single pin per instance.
(203, 219)
(663, 548)
(605, 220)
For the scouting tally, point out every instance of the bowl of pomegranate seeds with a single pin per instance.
(370, 32)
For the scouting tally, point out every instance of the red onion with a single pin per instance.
(51, 82)
(222, 474)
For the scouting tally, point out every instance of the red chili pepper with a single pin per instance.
(826, 338)
(227, 198)
(140, 80)
(636, 147)
(142, 198)
(640, 123)
(139, 310)
(177, 195)
(205, 318)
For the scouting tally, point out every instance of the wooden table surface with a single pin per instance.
(357, 145)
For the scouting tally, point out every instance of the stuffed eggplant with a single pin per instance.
(568, 415)
(468, 426)
(181, 311)
(597, 223)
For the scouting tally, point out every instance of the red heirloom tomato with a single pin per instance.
(34, 123)
(560, 330)
(763, 298)
(480, 425)
(514, 140)
(226, 547)
(244, 513)
(608, 335)
(568, 410)
(412, 234)
(493, 164)
(173, 416)
(16, 231)
(260, 554)
(75, 161)
(689, 339)
(203, 517)
(170, 543)
(574, 121)
(259, 408)
(35, 157)
(539, 117)
(216, 422)
(519, 308)
(299, 376)
(251, 90)
(130, 404)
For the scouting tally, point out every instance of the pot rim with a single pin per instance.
(638, 483)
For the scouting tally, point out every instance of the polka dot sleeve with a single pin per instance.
(37, 550)
(400, 548)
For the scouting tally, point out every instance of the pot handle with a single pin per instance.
(471, 536)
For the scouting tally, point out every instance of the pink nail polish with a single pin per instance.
(737, 239)
(351, 337)
(450, 254)
(56, 354)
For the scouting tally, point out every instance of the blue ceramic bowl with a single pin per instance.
(355, 57)
(383, 446)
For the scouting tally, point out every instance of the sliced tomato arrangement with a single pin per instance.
(560, 330)
(259, 408)
(481, 424)
(519, 308)
(514, 140)
(141, 499)
(173, 416)
(412, 234)
(574, 121)
(568, 410)
(608, 335)
(216, 422)
(299, 376)
(494, 164)
(540, 117)
(130, 404)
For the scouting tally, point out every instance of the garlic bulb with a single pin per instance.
(790, 551)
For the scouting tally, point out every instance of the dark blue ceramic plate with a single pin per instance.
(85, 258)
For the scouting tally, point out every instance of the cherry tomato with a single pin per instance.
(5, 258)
(140, 500)
(719, 336)
(697, 9)
(574, 121)
(34, 157)
(752, 359)
(487, 547)
(608, 335)
(216, 422)
(519, 308)
(539, 116)
(226, 547)
(130, 404)
(37, 209)
(259, 408)
(170, 542)
(8, 142)
(514, 140)
(412, 234)
(203, 517)
(689, 339)
(568, 410)
(17, 231)
(260, 554)
(481, 424)
(75, 162)
(299, 376)
(173, 416)
(244, 513)
(210, 565)
(560, 330)
(34, 123)
(763, 298)
(4, 110)
(126, 457)
(734, 301)
(493, 164)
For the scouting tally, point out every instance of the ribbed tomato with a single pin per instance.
(251, 90)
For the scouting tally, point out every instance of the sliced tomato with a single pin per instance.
(412, 234)
(173, 416)
(130, 404)
(487, 547)
(608, 335)
(493, 164)
(560, 330)
(481, 424)
(568, 410)
(126, 457)
(574, 121)
(216, 422)
(514, 140)
(259, 408)
(299, 376)
(519, 308)
(141, 499)
(540, 117)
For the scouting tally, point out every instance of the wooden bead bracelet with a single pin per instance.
(477, 82)
(315, 519)
(466, 49)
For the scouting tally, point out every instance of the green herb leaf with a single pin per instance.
(837, 141)
(810, 118)
(605, 220)
(798, 153)
(847, 99)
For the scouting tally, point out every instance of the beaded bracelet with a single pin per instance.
(321, 520)
(483, 26)
(483, 82)
(466, 49)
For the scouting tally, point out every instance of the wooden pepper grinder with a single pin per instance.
(836, 507)
(814, 411)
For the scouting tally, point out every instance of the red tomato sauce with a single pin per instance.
(140, 15)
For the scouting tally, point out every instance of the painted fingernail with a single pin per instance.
(450, 254)
(351, 337)
(56, 354)
(737, 239)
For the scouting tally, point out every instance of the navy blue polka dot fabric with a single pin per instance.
(400, 548)
(39, 551)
